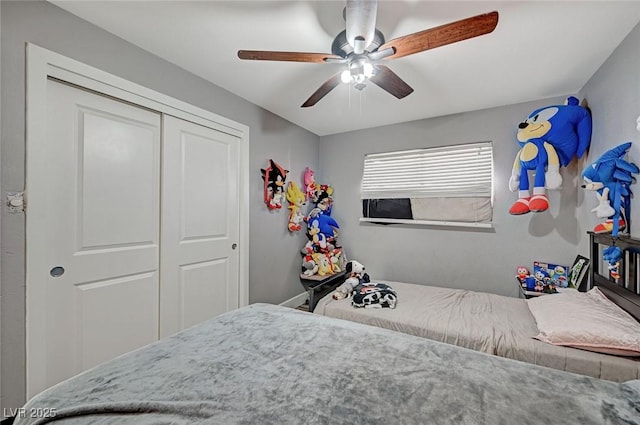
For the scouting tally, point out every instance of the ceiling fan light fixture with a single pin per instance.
(367, 70)
(345, 76)
(357, 72)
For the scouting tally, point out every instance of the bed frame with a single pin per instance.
(624, 291)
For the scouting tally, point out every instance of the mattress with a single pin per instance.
(489, 323)
(266, 364)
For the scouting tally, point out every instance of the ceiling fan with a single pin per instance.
(361, 46)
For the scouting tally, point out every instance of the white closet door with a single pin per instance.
(200, 205)
(99, 211)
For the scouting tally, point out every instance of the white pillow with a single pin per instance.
(589, 321)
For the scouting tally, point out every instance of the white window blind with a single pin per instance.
(443, 172)
(449, 185)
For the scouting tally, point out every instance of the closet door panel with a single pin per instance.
(100, 194)
(119, 182)
(204, 187)
(200, 205)
(199, 298)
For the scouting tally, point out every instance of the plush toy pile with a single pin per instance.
(321, 255)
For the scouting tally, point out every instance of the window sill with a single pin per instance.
(427, 222)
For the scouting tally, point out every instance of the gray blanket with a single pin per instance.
(266, 364)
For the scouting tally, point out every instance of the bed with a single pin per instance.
(505, 326)
(266, 364)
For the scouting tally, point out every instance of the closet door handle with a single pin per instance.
(57, 271)
(234, 246)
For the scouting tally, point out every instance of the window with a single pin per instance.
(450, 185)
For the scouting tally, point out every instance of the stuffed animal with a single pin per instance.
(612, 255)
(610, 176)
(374, 295)
(549, 138)
(309, 266)
(325, 267)
(355, 276)
(521, 274)
(274, 177)
(335, 255)
(323, 199)
(321, 231)
(296, 200)
(309, 183)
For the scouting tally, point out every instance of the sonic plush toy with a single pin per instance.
(549, 137)
(610, 176)
(612, 255)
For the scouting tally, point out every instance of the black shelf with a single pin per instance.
(319, 286)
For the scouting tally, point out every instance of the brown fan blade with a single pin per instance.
(324, 89)
(442, 35)
(265, 55)
(389, 81)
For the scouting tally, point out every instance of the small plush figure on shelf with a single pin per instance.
(612, 256)
(309, 183)
(355, 276)
(522, 272)
(324, 263)
(549, 138)
(610, 176)
(296, 201)
(309, 265)
(274, 177)
(521, 275)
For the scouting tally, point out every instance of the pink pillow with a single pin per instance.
(589, 321)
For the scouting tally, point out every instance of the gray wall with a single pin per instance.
(614, 98)
(273, 278)
(483, 260)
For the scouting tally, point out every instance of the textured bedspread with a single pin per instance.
(485, 322)
(266, 364)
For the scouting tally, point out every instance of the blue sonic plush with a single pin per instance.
(610, 176)
(549, 138)
(321, 231)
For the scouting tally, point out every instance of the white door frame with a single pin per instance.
(43, 64)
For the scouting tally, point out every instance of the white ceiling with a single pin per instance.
(538, 50)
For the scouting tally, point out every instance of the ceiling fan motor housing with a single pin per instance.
(342, 48)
